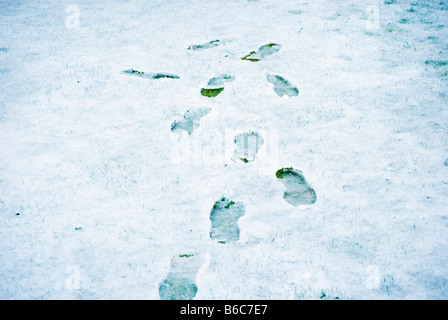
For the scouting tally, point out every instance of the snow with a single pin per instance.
(94, 203)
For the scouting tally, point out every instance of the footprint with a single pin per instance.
(216, 85)
(263, 51)
(207, 45)
(180, 283)
(298, 191)
(224, 217)
(247, 145)
(149, 75)
(190, 120)
(282, 86)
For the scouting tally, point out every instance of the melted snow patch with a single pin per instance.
(224, 218)
(180, 283)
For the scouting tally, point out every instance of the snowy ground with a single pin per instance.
(95, 201)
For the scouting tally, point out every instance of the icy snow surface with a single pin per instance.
(99, 199)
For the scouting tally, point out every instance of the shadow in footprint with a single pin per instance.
(298, 191)
(282, 86)
(262, 52)
(247, 145)
(208, 45)
(180, 283)
(190, 120)
(216, 85)
(149, 75)
(224, 217)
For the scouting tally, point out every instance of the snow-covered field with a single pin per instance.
(100, 199)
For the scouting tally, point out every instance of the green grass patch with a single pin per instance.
(281, 172)
(211, 92)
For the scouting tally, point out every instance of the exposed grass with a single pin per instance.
(249, 57)
(263, 51)
(211, 92)
(436, 63)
